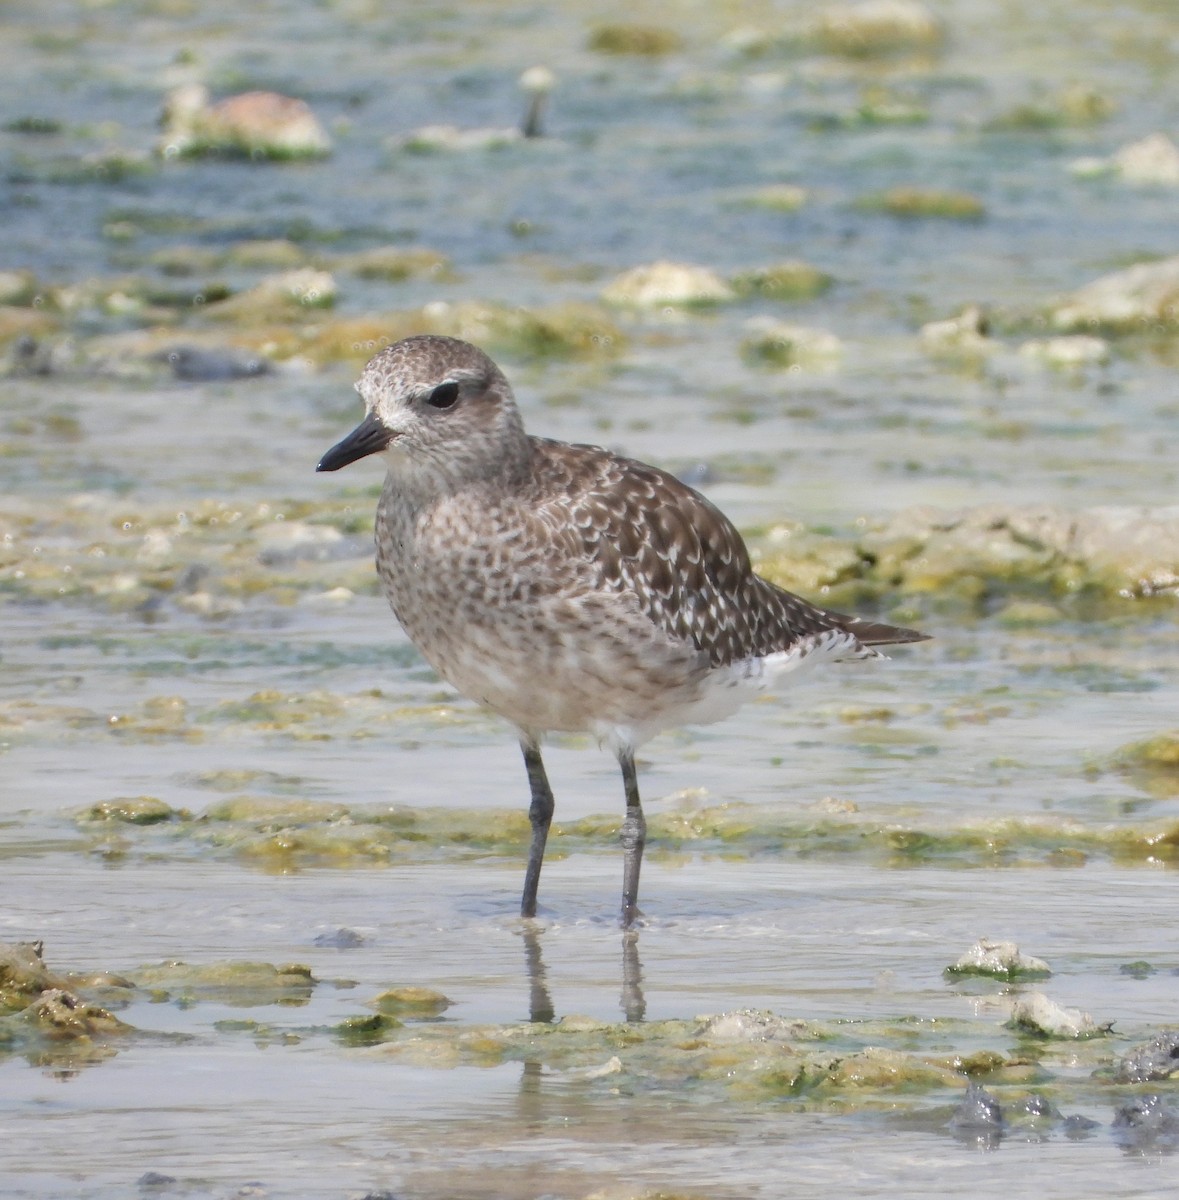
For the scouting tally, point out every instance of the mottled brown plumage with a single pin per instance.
(563, 586)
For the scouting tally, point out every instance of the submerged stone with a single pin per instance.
(979, 1111)
(235, 983)
(1155, 1059)
(1146, 1121)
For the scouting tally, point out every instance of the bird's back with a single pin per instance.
(643, 533)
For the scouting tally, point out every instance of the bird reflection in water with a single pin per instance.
(540, 999)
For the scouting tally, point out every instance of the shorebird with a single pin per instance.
(565, 587)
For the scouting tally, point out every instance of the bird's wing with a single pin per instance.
(643, 533)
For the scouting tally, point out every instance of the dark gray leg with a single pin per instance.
(540, 814)
(634, 838)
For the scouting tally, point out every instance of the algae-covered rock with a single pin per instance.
(667, 283)
(394, 263)
(1067, 353)
(274, 810)
(18, 287)
(964, 554)
(750, 1025)
(966, 335)
(1152, 161)
(368, 1030)
(1079, 104)
(59, 1014)
(1152, 764)
(302, 290)
(999, 960)
(914, 202)
(791, 280)
(23, 975)
(781, 345)
(239, 984)
(649, 41)
(876, 28)
(131, 810)
(411, 1001)
(256, 125)
(1036, 1014)
(1141, 298)
(776, 197)
(571, 330)
(1158, 753)
(880, 1069)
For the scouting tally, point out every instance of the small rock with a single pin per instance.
(201, 364)
(878, 27)
(1001, 960)
(978, 1112)
(340, 939)
(1035, 1013)
(648, 41)
(260, 125)
(777, 344)
(1145, 296)
(667, 283)
(1146, 1121)
(1076, 350)
(1153, 160)
(1156, 1059)
(966, 334)
(749, 1025)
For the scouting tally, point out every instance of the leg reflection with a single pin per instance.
(540, 1001)
(634, 1005)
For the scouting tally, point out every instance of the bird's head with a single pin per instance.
(434, 403)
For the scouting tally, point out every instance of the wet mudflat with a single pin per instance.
(912, 330)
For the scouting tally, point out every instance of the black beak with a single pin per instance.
(369, 437)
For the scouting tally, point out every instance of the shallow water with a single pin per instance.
(824, 857)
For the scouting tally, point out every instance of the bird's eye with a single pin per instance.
(444, 395)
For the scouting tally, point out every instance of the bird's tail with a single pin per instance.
(875, 633)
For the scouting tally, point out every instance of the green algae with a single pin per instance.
(1152, 764)
(131, 810)
(408, 1001)
(287, 833)
(783, 281)
(49, 1017)
(646, 41)
(921, 203)
(367, 1030)
(231, 982)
